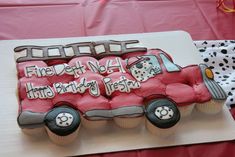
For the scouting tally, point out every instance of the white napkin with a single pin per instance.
(219, 55)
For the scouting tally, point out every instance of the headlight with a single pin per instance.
(209, 73)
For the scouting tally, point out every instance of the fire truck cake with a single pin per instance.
(62, 88)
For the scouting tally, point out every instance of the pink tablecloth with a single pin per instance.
(22, 19)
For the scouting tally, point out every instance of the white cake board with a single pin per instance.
(198, 128)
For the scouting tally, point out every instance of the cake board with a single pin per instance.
(197, 128)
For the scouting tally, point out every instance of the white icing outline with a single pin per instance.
(115, 47)
(37, 53)
(69, 52)
(53, 52)
(99, 49)
(20, 54)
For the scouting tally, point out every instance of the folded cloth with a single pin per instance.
(219, 55)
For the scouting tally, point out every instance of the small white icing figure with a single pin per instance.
(64, 119)
(143, 67)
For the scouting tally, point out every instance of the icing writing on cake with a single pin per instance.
(109, 67)
(75, 70)
(41, 92)
(122, 85)
(74, 87)
(59, 69)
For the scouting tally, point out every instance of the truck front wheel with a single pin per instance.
(162, 113)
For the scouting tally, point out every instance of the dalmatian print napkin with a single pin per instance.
(219, 55)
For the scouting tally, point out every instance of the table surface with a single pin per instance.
(27, 19)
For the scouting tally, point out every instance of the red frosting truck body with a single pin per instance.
(103, 80)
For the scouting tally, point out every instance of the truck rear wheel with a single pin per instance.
(62, 124)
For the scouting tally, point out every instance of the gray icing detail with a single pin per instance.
(216, 91)
(170, 66)
(28, 119)
(77, 50)
(130, 111)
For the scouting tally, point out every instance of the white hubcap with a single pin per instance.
(64, 119)
(164, 112)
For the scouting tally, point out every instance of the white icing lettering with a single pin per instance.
(58, 70)
(122, 85)
(74, 87)
(41, 92)
(30, 70)
(109, 67)
(94, 67)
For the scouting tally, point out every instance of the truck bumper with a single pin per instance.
(214, 88)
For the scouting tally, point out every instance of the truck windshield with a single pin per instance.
(169, 65)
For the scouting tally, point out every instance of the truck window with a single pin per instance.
(170, 67)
